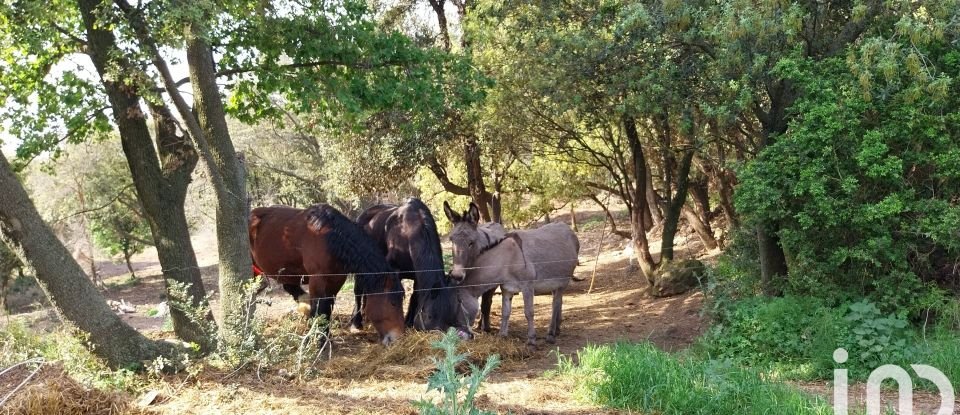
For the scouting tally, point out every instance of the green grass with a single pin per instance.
(19, 343)
(120, 283)
(641, 377)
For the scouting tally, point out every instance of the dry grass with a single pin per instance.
(52, 391)
(412, 356)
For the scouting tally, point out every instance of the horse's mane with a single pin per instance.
(428, 257)
(357, 251)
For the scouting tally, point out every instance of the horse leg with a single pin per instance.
(356, 322)
(486, 300)
(556, 318)
(505, 312)
(304, 305)
(528, 312)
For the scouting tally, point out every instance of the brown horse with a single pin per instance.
(318, 246)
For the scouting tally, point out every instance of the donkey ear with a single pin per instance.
(452, 216)
(473, 215)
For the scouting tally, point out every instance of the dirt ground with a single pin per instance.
(617, 308)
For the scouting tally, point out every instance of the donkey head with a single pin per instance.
(465, 239)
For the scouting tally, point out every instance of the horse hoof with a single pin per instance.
(551, 339)
(355, 329)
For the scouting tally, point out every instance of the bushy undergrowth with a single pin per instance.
(18, 344)
(794, 337)
(641, 377)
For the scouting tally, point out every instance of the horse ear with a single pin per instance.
(451, 215)
(473, 215)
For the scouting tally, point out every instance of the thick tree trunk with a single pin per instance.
(232, 205)
(437, 6)
(637, 225)
(773, 262)
(703, 230)
(160, 181)
(70, 291)
(674, 207)
(700, 196)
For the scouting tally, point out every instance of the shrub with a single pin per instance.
(796, 335)
(862, 187)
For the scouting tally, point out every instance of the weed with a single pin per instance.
(451, 384)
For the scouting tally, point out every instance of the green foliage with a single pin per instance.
(862, 187)
(451, 384)
(793, 338)
(875, 339)
(640, 377)
(19, 343)
(794, 335)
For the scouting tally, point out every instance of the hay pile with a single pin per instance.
(411, 356)
(52, 391)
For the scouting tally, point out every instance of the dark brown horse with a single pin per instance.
(407, 235)
(318, 246)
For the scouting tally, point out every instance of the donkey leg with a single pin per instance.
(528, 312)
(555, 318)
(505, 312)
(304, 305)
(356, 322)
(486, 300)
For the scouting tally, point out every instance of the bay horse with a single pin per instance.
(536, 261)
(319, 247)
(407, 235)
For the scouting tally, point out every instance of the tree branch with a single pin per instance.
(300, 65)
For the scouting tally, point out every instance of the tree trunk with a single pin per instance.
(653, 199)
(637, 225)
(126, 257)
(475, 185)
(675, 205)
(232, 204)
(70, 291)
(702, 229)
(700, 196)
(773, 262)
(160, 180)
(441, 22)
